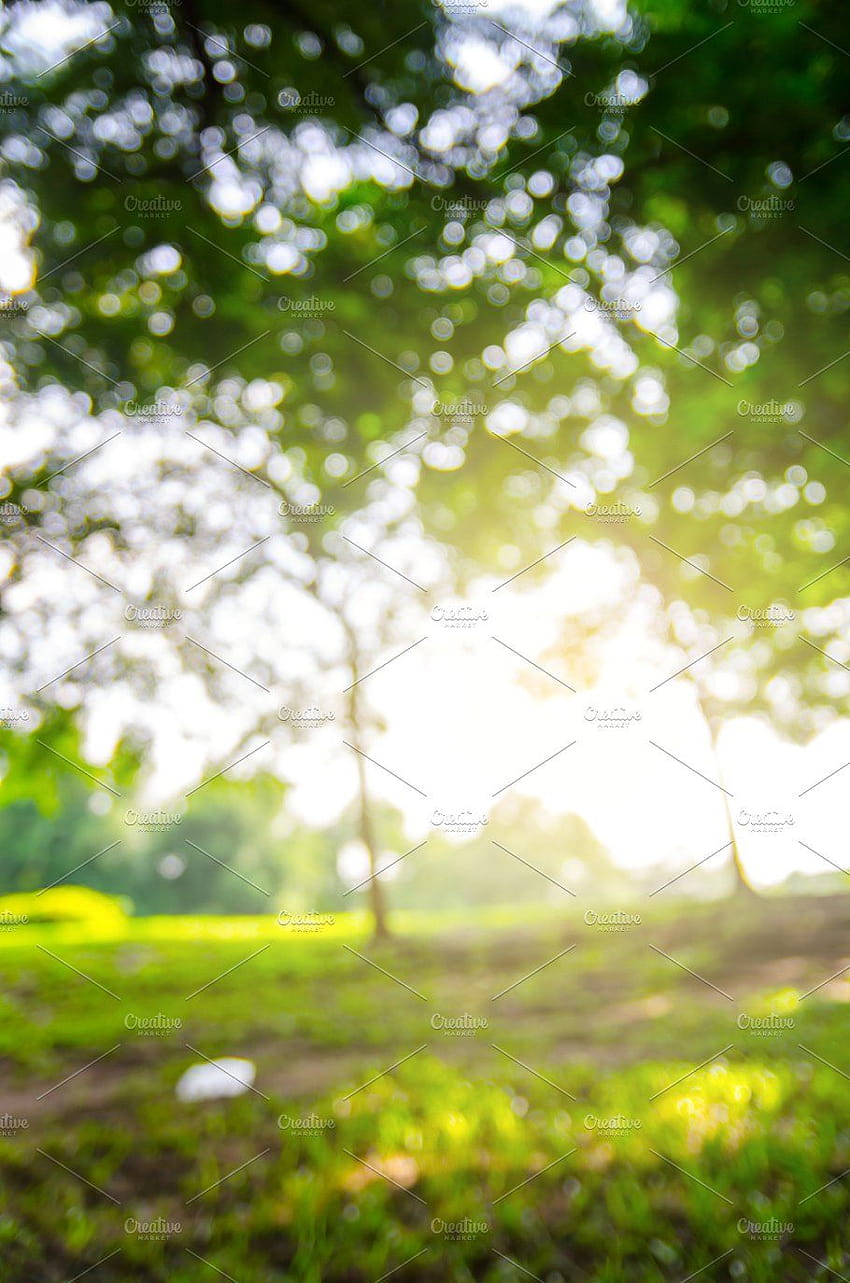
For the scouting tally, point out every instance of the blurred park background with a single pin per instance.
(424, 638)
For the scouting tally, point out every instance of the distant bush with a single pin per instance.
(63, 904)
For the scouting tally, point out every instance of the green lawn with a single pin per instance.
(560, 1129)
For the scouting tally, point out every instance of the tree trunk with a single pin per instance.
(741, 885)
(365, 826)
(367, 837)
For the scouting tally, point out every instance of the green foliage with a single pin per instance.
(656, 1169)
(72, 904)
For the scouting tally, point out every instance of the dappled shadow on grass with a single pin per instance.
(614, 1117)
(634, 1179)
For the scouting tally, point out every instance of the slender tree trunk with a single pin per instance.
(742, 884)
(365, 825)
(367, 837)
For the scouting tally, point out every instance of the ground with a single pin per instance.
(669, 1096)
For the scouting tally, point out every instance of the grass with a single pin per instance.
(557, 1123)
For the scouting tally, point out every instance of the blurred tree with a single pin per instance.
(457, 274)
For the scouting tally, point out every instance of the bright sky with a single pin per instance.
(466, 716)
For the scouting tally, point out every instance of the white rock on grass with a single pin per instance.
(212, 1080)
